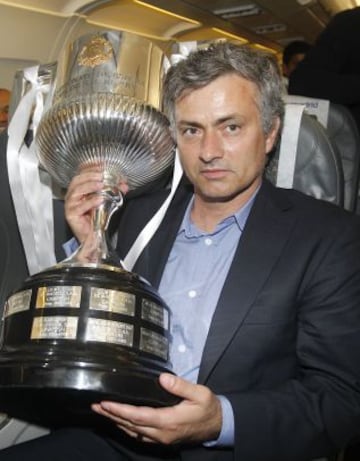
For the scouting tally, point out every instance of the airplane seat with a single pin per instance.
(343, 132)
(305, 159)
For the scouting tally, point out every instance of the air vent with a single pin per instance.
(250, 9)
(268, 29)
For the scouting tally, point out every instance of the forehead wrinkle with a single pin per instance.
(220, 102)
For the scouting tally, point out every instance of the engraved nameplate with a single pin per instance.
(58, 296)
(18, 302)
(112, 301)
(109, 331)
(54, 327)
(153, 343)
(154, 313)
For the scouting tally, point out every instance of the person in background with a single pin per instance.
(293, 53)
(263, 286)
(4, 108)
(331, 69)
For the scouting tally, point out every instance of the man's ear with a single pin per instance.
(272, 136)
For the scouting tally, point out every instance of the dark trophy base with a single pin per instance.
(76, 335)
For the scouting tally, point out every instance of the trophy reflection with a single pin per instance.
(87, 329)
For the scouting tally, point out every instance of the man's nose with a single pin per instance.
(211, 147)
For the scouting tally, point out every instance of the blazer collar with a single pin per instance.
(265, 235)
(152, 261)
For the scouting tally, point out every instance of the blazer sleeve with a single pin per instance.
(317, 411)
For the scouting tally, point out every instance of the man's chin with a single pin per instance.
(216, 197)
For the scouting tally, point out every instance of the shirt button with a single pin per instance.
(208, 241)
(192, 293)
(182, 348)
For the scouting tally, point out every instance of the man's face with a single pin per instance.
(220, 138)
(292, 64)
(4, 108)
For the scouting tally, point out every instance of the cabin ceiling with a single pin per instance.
(271, 23)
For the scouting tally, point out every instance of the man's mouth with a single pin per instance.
(214, 173)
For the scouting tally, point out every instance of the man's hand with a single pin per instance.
(196, 419)
(82, 197)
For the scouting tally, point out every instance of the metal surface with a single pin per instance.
(105, 111)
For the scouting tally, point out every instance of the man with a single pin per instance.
(4, 108)
(331, 69)
(294, 52)
(263, 285)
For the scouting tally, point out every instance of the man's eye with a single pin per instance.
(189, 131)
(232, 127)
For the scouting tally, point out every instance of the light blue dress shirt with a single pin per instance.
(191, 284)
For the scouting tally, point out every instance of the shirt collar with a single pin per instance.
(239, 217)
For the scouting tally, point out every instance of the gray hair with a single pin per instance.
(203, 66)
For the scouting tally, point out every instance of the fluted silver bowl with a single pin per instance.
(128, 138)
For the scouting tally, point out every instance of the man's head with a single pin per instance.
(294, 53)
(225, 108)
(223, 58)
(4, 107)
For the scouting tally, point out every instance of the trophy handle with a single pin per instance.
(113, 200)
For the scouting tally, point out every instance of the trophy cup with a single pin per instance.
(87, 329)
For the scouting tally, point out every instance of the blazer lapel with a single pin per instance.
(263, 239)
(152, 261)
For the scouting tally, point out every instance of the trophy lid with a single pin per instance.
(105, 111)
(111, 62)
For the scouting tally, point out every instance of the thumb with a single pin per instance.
(177, 386)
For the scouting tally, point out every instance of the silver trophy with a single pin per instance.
(87, 329)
